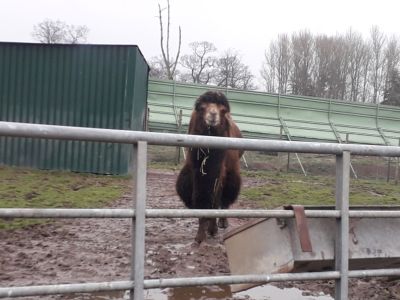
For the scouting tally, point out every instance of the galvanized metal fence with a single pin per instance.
(138, 213)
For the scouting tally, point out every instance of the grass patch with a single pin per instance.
(164, 158)
(283, 189)
(25, 188)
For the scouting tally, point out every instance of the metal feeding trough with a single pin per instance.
(301, 244)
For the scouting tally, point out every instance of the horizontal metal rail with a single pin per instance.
(39, 290)
(160, 283)
(184, 140)
(71, 213)
(154, 213)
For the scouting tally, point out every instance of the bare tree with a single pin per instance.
(49, 31)
(200, 62)
(339, 68)
(330, 67)
(276, 67)
(268, 69)
(392, 92)
(392, 58)
(157, 68)
(303, 58)
(365, 70)
(357, 50)
(321, 73)
(56, 31)
(76, 34)
(377, 44)
(169, 62)
(283, 63)
(231, 72)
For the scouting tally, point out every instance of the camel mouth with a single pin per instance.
(212, 122)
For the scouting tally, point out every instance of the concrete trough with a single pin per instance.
(267, 246)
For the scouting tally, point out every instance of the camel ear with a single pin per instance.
(229, 119)
(192, 123)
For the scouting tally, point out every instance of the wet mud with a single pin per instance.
(94, 250)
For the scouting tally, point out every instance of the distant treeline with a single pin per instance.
(345, 66)
(348, 66)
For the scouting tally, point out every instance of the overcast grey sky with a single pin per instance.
(246, 26)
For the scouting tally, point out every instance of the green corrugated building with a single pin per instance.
(101, 86)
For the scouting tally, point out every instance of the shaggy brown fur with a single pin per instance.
(210, 178)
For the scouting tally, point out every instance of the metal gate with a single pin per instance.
(138, 213)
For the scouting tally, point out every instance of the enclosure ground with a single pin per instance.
(89, 250)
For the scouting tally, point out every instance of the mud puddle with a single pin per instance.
(271, 292)
(266, 292)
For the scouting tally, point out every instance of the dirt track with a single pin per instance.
(82, 250)
(91, 250)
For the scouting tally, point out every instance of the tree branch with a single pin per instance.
(166, 62)
(179, 51)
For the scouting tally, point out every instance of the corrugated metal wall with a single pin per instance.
(102, 86)
(262, 115)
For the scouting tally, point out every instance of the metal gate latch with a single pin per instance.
(302, 227)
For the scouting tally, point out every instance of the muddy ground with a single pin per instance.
(93, 250)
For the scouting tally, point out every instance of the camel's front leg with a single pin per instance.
(201, 232)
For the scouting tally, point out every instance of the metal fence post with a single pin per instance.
(388, 169)
(396, 170)
(138, 222)
(342, 225)
(178, 149)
